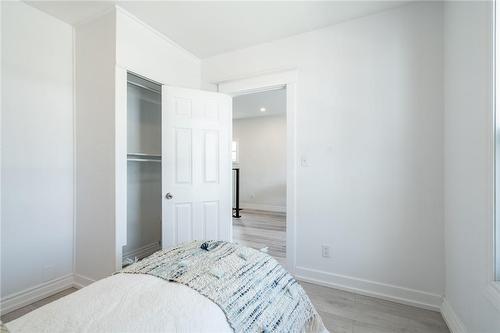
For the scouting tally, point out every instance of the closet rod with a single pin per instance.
(144, 87)
(144, 154)
(142, 160)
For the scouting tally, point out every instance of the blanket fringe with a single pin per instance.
(315, 325)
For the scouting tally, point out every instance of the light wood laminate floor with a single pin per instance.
(341, 311)
(260, 229)
(28, 308)
(346, 312)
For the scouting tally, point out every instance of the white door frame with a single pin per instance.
(266, 82)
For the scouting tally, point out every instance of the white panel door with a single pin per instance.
(196, 163)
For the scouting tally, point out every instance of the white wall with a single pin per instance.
(95, 145)
(105, 48)
(262, 162)
(37, 151)
(369, 123)
(142, 50)
(468, 164)
(1, 108)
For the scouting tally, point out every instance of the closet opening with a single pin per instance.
(144, 169)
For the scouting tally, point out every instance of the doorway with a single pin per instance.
(259, 171)
(272, 81)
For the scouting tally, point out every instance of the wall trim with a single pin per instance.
(36, 293)
(80, 281)
(451, 318)
(363, 287)
(269, 208)
(492, 292)
(267, 81)
(93, 17)
(413, 297)
(30, 295)
(123, 11)
(142, 251)
(258, 82)
(249, 76)
(75, 161)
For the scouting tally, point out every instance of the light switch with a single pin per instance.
(304, 162)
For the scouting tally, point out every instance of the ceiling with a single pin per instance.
(208, 28)
(249, 105)
(72, 12)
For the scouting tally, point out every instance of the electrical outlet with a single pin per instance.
(325, 251)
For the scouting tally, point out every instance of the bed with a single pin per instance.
(196, 287)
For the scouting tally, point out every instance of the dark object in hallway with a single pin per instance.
(236, 210)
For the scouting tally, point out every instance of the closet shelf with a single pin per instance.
(143, 157)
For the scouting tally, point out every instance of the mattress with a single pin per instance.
(127, 303)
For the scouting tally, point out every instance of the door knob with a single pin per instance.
(168, 196)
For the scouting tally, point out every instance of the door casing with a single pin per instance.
(265, 82)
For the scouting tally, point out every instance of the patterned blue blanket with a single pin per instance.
(255, 292)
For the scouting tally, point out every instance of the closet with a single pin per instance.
(171, 178)
(144, 169)
(152, 159)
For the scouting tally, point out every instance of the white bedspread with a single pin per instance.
(127, 303)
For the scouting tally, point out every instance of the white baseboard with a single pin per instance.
(451, 318)
(269, 208)
(36, 293)
(388, 292)
(18, 300)
(143, 251)
(364, 287)
(80, 281)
